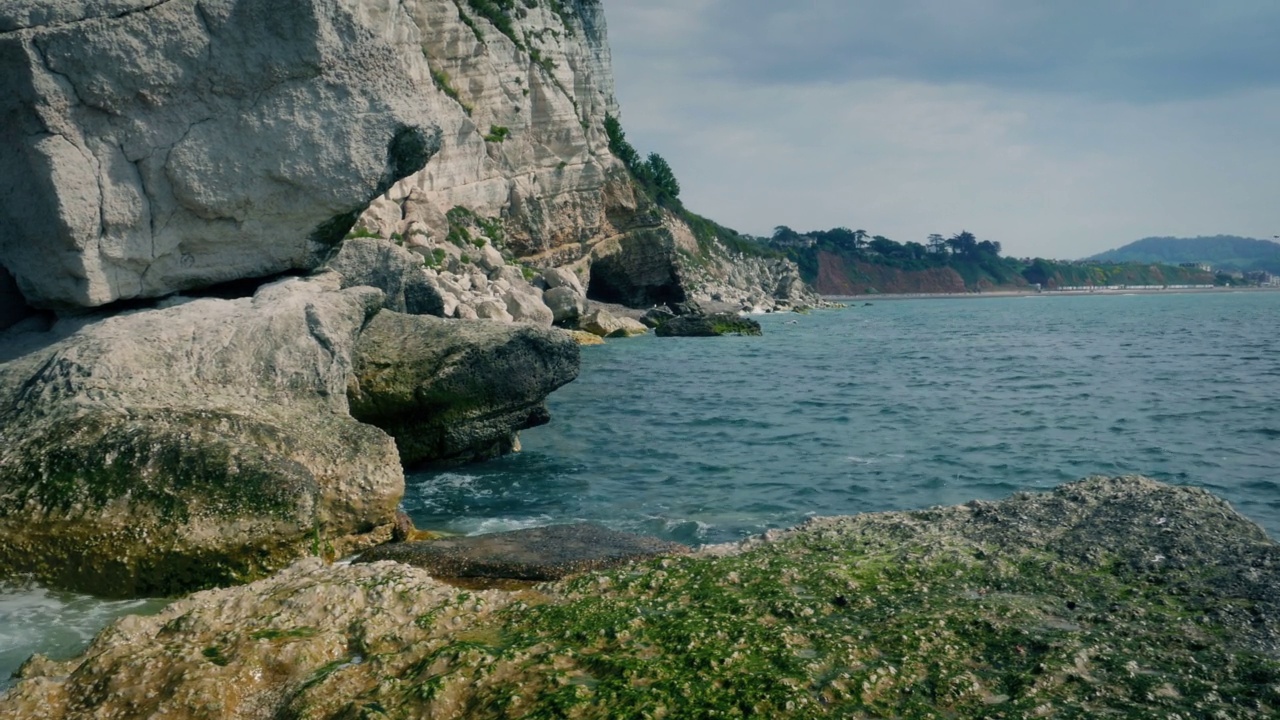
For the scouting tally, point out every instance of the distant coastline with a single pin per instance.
(1045, 293)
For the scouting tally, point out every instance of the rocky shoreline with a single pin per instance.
(1107, 596)
(248, 276)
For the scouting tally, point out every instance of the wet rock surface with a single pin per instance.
(1108, 597)
(545, 553)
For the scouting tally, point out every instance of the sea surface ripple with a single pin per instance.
(896, 405)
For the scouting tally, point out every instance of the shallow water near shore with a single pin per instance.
(898, 405)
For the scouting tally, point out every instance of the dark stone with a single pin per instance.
(402, 530)
(657, 316)
(641, 271)
(393, 270)
(408, 153)
(708, 326)
(13, 307)
(545, 553)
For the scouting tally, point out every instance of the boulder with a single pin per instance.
(556, 278)
(584, 338)
(456, 390)
(545, 553)
(656, 316)
(206, 443)
(565, 303)
(602, 323)
(708, 326)
(490, 259)
(491, 309)
(525, 305)
(395, 271)
(151, 147)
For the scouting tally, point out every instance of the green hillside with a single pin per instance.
(853, 262)
(1223, 252)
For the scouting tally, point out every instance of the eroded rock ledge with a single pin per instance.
(208, 442)
(1108, 596)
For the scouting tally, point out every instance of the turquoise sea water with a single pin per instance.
(902, 404)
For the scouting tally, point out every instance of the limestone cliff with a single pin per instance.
(524, 148)
(153, 147)
(148, 147)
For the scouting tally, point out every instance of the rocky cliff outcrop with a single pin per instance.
(148, 147)
(1112, 596)
(460, 390)
(211, 441)
(526, 151)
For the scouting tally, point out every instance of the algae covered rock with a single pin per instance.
(709, 325)
(1108, 597)
(544, 553)
(456, 390)
(159, 451)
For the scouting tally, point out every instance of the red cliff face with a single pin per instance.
(836, 277)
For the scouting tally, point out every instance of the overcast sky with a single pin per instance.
(1059, 128)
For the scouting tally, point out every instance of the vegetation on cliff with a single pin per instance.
(657, 181)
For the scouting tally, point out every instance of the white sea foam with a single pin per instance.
(34, 619)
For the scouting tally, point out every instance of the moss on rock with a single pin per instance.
(1055, 605)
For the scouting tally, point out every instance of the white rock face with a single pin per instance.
(526, 140)
(148, 147)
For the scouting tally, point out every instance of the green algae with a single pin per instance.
(855, 627)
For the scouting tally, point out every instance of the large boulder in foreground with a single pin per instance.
(456, 390)
(544, 553)
(1109, 597)
(206, 443)
(148, 147)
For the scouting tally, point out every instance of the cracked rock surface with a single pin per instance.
(149, 147)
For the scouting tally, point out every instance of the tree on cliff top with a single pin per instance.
(654, 173)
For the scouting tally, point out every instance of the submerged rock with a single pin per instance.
(456, 390)
(708, 326)
(544, 553)
(1105, 597)
(206, 443)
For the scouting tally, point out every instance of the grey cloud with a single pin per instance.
(1139, 50)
